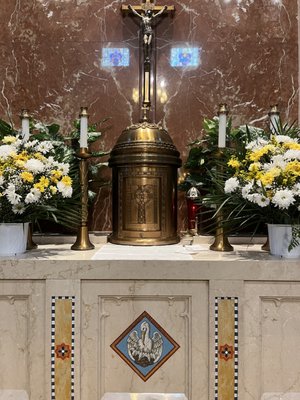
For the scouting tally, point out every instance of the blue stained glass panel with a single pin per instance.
(115, 57)
(185, 56)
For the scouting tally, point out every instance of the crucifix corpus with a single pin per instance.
(147, 11)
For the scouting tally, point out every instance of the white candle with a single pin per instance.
(83, 127)
(222, 125)
(25, 125)
(274, 119)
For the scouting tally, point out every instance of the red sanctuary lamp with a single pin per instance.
(192, 196)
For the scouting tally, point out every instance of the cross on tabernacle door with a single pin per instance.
(142, 196)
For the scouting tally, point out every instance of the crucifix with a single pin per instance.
(147, 12)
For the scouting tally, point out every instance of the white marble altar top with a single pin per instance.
(58, 261)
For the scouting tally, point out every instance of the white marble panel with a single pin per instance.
(22, 339)
(13, 344)
(108, 308)
(271, 340)
(13, 395)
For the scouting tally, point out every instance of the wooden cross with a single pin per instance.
(146, 5)
(146, 11)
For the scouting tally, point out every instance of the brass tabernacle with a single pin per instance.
(144, 161)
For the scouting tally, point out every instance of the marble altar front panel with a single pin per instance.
(180, 308)
(271, 341)
(22, 339)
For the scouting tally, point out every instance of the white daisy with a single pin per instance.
(65, 190)
(33, 196)
(260, 199)
(284, 139)
(256, 144)
(246, 189)
(283, 198)
(34, 165)
(6, 150)
(18, 208)
(231, 185)
(12, 196)
(292, 155)
(44, 147)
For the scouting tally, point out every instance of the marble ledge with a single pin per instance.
(57, 261)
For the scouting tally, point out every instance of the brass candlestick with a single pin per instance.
(221, 242)
(83, 240)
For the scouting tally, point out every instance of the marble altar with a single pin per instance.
(235, 317)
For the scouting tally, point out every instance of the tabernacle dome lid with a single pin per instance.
(144, 132)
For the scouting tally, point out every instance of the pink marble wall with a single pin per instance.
(50, 63)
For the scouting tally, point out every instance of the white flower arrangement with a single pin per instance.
(30, 177)
(269, 177)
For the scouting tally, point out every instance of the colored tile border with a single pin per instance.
(226, 348)
(62, 347)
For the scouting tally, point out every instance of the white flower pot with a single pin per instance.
(13, 238)
(280, 238)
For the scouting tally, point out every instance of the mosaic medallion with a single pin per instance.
(145, 346)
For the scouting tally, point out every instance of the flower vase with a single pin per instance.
(280, 237)
(13, 238)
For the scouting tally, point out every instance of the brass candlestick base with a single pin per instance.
(266, 246)
(221, 242)
(83, 240)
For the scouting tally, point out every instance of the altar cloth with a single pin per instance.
(169, 252)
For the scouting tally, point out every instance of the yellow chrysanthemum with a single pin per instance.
(268, 177)
(20, 163)
(53, 189)
(66, 180)
(42, 184)
(22, 156)
(292, 146)
(27, 176)
(257, 154)
(254, 167)
(293, 168)
(39, 156)
(9, 139)
(44, 181)
(55, 175)
(234, 163)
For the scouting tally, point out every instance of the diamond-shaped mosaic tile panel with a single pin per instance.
(145, 346)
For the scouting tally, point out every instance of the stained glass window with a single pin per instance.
(115, 57)
(185, 56)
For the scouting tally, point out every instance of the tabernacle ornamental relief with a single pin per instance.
(147, 11)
